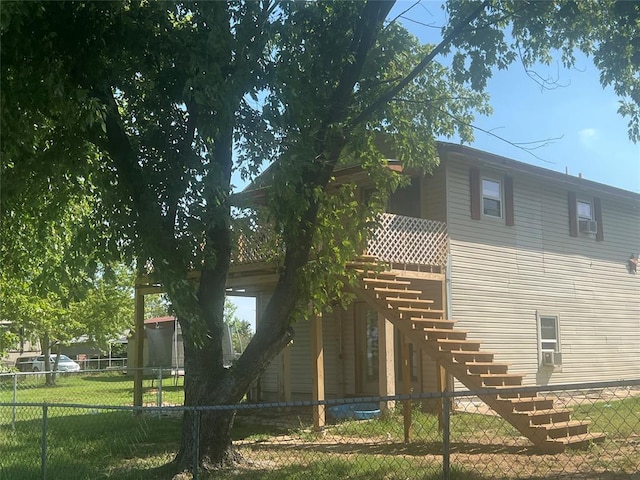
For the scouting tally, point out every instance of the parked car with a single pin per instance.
(65, 364)
(25, 364)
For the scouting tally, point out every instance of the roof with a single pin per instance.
(160, 320)
(255, 191)
(451, 151)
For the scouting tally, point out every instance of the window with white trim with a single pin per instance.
(585, 212)
(549, 338)
(492, 197)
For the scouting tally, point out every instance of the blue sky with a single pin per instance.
(591, 137)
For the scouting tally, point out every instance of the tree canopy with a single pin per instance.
(145, 109)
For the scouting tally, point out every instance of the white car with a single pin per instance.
(65, 364)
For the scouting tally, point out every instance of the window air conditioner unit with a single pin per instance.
(550, 359)
(588, 226)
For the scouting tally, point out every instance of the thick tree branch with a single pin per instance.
(392, 92)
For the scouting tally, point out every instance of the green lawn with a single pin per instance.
(93, 443)
(111, 388)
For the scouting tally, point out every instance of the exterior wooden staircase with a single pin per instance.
(401, 300)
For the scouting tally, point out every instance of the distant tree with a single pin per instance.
(239, 329)
(156, 306)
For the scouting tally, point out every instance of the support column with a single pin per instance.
(406, 388)
(139, 348)
(441, 379)
(317, 382)
(286, 373)
(387, 375)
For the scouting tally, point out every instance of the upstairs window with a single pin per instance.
(491, 198)
(585, 217)
(584, 211)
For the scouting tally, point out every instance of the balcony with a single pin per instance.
(405, 243)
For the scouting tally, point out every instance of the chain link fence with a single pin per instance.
(452, 435)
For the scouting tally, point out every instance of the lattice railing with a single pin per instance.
(398, 239)
(409, 240)
(255, 244)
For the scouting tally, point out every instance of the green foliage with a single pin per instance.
(240, 330)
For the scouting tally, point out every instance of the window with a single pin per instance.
(549, 334)
(491, 198)
(549, 351)
(372, 346)
(584, 210)
(585, 216)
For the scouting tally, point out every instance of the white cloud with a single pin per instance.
(588, 137)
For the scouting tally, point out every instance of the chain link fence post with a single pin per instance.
(159, 398)
(15, 400)
(43, 459)
(446, 437)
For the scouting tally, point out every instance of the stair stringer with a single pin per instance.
(521, 411)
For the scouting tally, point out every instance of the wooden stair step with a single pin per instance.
(407, 302)
(413, 310)
(425, 314)
(385, 281)
(530, 404)
(501, 379)
(397, 291)
(431, 323)
(513, 396)
(487, 367)
(547, 416)
(445, 333)
(446, 344)
(462, 357)
(564, 429)
(583, 439)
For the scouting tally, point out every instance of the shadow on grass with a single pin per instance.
(414, 449)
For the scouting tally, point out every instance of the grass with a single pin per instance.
(92, 443)
(97, 389)
(619, 419)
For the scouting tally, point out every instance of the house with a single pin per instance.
(497, 274)
(533, 263)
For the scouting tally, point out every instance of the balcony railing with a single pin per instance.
(397, 239)
(409, 240)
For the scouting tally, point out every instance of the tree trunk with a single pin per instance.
(50, 378)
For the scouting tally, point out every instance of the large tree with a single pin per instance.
(145, 102)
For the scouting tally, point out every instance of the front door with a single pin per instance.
(367, 353)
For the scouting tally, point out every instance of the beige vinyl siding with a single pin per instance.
(348, 351)
(433, 196)
(501, 276)
(272, 381)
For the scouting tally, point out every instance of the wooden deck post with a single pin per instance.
(317, 350)
(139, 347)
(406, 388)
(286, 373)
(387, 376)
(441, 379)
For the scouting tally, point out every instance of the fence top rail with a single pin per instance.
(571, 387)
